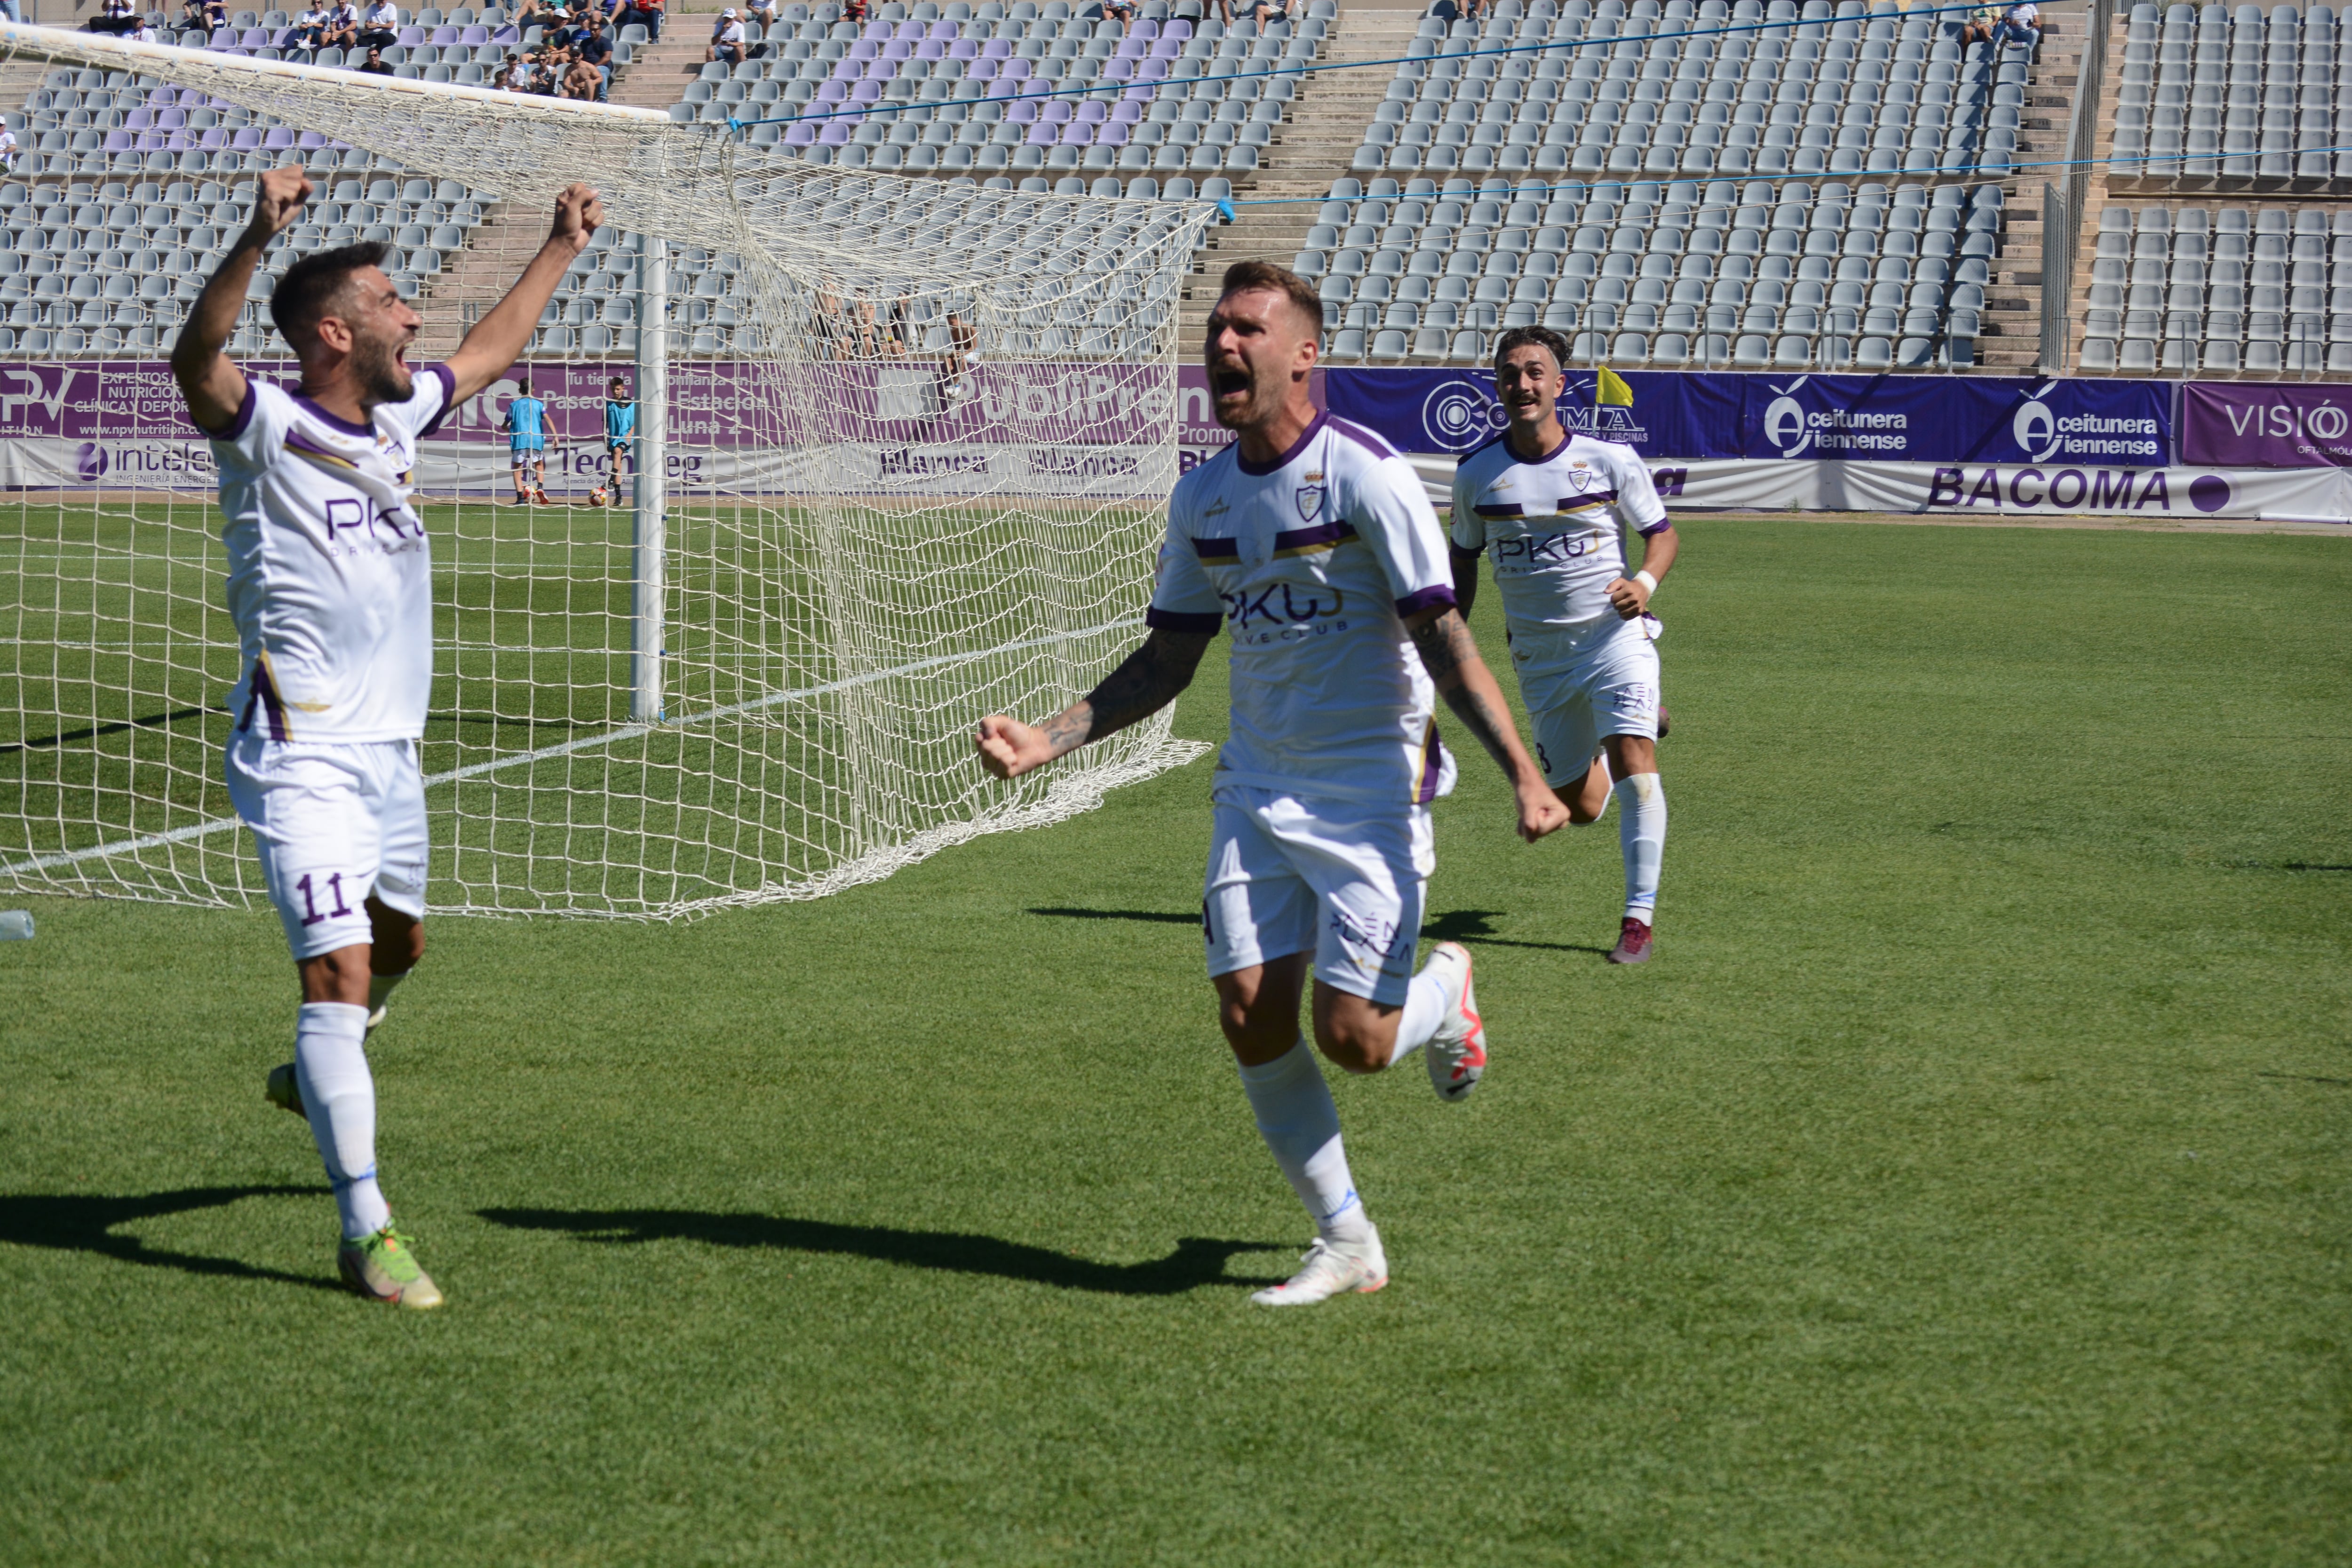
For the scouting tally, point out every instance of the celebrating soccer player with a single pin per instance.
(1316, 544)
(329, 583)
(1553, 507)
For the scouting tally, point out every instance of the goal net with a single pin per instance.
(901, 447)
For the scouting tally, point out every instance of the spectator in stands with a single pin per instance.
(114, 16)
(854, 11)
(763, 12)
(307, 29)
(502, 79)
(380, 25)
(196, 16)
(646, 14)
(7, 149)
(2021, 24)
(1119, 11)
(342, 26)
(142, 34)
(581, 81)
(1976, 25)
(1267, 10)
(726, 39)
(597, 50)
(533, 13)
(374, 65)
(831, 331)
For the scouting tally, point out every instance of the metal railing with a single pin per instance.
(2065, 198)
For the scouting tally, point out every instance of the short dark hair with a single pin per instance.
(308, 291)
(523, 383)
(1544, 338)
(618, 381)
(1246, 277)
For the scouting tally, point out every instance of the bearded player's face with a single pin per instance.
(1258, 344)
(382, 326)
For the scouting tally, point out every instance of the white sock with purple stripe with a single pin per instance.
(1301, 1125)
(339, 1096)
(1642, 835)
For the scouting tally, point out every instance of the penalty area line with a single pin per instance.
(195, 830)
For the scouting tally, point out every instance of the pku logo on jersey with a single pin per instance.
(1529, 552)
(1288, 610)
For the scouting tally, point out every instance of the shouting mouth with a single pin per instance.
(1229, 382)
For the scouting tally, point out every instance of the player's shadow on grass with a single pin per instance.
(1197, 1260)
(1472, 926)
(1459, 925)
(71, 1222)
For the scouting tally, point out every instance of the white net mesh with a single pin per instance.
(918, 438)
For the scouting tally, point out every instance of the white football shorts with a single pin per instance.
(333, 824)
(1344, 879)
(1608, 689)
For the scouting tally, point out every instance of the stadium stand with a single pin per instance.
(1854, 93)
(2215, 98)
(2199, 289)
(1720, 275)
(925, 89)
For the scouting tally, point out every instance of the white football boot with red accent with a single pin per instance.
(1332, 1269)
(1457, 1052)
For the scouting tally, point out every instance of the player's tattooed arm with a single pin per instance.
(1468, 686)
(209, 381)
(1145, 683)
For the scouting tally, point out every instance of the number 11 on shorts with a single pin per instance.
(310, 915)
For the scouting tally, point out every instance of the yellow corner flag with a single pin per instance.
(1609, 390)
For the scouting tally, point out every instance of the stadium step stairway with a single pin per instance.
(2012, 341)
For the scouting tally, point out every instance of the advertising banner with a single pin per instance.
(1943, 419)
(2245, 425)
(1983, 490)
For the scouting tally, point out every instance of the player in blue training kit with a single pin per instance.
(1315, 546)
(1552, 509)
(620, 432)
(526, 427)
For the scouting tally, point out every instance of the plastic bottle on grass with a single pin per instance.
(15, 925)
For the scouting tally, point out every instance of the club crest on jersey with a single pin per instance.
(1579, 475)
(1309, 500)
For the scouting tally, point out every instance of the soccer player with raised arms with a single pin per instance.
(1552, 507)
(1315, 546)
(330, 584)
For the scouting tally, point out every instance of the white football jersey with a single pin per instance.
(1557, 528)
(1312, 563)
(329, 576)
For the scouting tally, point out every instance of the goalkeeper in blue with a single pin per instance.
(1552, 507)
(1314, 546)
(620, 435)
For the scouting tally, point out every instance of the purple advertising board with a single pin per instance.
(2241, 425)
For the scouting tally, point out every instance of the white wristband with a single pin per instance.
(1649, 584)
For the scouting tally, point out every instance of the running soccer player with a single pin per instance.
(620, 428)
(1553, 507)
(1316, 545)
(526, 427)
(329, 583)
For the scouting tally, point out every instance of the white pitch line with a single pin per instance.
(626, 732)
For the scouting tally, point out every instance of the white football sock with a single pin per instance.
(380, 987)
(1642, 834)
(1301, 1127)
(1425, 1006)
(339, 1096)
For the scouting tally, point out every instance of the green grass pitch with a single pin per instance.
(1966, 1183)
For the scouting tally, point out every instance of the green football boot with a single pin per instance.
(283, 1091)
(383, 1268)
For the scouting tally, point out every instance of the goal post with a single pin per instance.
(902, 452)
